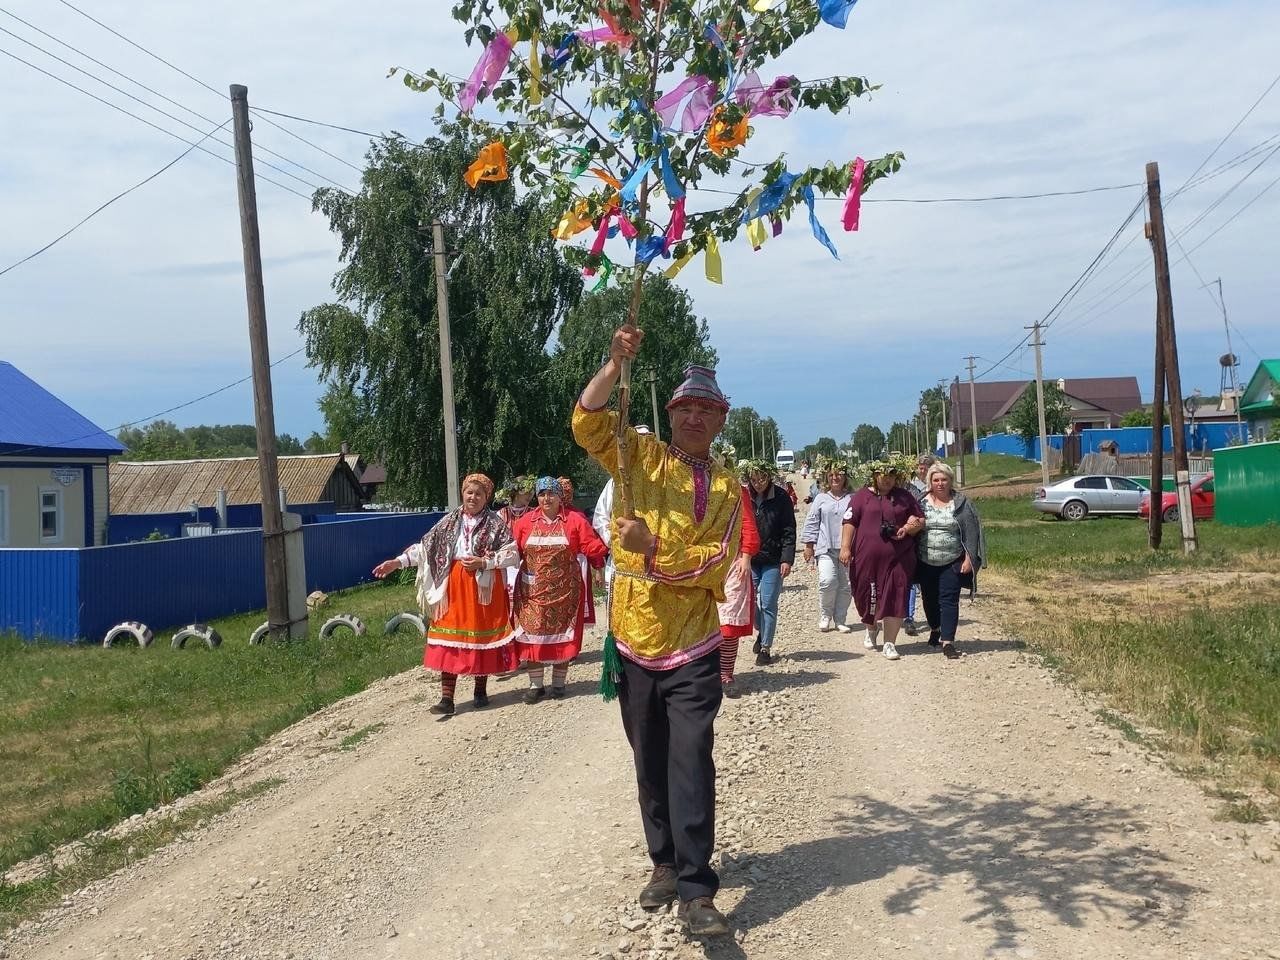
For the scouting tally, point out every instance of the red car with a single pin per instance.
(1201, 502)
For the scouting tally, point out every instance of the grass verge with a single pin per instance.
(1187, 645)
(89, 736)
(103, 855)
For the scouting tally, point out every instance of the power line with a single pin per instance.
(170, 116)
(197, 80)
(141, 85)
(127, 113)
(321, 123)
(123, 193)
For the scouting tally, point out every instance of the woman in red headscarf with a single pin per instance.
(460, 590)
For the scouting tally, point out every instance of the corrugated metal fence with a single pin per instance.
(1246, 483)
(80, 594)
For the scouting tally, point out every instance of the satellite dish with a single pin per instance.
(1191, 405)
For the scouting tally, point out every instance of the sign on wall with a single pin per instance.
(65, 475)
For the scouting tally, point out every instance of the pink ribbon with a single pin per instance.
(701, 92)
(627, 228)
(597, 245)
(604, 35)
(487, 71)
(675, 229)
(776, 100)
(853, 199)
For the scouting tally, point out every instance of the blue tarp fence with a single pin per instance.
(75, 594)
(1134, 440)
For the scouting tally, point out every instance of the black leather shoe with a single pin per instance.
(755, 647)
(534, 694)
(763, 658)
(444, 708)
(701, 918)
(480, 700)
(731, 689)
(557, 693)
(661, 889)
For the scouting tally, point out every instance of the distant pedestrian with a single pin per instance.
(919, 486)
(880, 526)
(470, 629)
(548, 601)
(821, 539)
(776, 523)
(951, 550)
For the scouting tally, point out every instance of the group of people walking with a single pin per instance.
(695, 557)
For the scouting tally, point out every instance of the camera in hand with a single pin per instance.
(887, 530)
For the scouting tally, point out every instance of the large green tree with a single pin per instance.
(742, 425)
(379, 342)
(868, 441)
(1024, 419)
(164, 440)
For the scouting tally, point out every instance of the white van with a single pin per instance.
(786, 460)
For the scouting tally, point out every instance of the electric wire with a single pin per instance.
(170, 116)
(127, 113)
(31, 256)
(197, 80)
(141, 85)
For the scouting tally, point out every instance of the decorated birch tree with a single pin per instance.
(628, 115)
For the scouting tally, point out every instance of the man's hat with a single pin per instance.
(699, 385)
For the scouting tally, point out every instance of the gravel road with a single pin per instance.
(917, 809)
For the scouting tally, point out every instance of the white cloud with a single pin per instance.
(144, 306)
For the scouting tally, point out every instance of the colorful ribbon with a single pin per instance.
(632, 186)
(490, 165)
(835, 12)
(770, 198)
(775, 100)
(564, 52)
(818, 230)
(675, 268)
(715, 269)
(606, 271)
(649, 248)
(626, 227)
(597, 245)
(535, 70)
(675, 229)
(853, 199)
(755, 228)
(487, 71)
(723, 136)
(573, 222)
(701, 92)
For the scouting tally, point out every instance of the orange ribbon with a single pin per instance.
(490, 165)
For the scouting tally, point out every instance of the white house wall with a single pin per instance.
(25, 478)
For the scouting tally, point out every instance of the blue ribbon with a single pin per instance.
(770, 198)
(649, 248)
(564, 51)
(717, 41)
(836, 12)
(628, 191)
(669, 181)
(818, 230)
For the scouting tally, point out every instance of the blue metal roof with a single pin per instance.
(33, 420)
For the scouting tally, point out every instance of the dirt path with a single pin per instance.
(917, 809)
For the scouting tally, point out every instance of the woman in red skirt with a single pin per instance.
(548, 602)
(737, 613)
(462, 591)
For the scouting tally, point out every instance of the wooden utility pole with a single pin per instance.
(273, 546)
(959, 430)
(945, 400)
(651, 378)
(1044, 433)
(446, 365)
(973, 411)
(1173, 378)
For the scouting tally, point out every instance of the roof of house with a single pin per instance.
(374, 473)
(33, 420)
(994, 399)
(169, 486)
(1255, 398)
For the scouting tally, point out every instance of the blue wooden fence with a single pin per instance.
(77, 594)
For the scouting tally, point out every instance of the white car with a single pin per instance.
(1077, 497)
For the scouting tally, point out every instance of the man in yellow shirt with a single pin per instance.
(670, 564)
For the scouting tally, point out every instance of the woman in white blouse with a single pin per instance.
(950, 551)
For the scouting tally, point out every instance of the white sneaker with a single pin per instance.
(844, 628)
(825, 624)
(891, 652)
(869, 641)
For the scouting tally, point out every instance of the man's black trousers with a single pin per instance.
(669, 717)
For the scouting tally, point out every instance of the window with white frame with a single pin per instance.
(50, 514)
(4, 516)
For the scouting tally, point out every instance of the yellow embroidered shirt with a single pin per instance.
(663, 611)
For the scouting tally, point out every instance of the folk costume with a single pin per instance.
(737, 612)
(510, 513)
(663, 619)
(584, 563)
(548, 601)
(470, 630)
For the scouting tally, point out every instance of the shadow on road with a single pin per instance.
(1003, 854)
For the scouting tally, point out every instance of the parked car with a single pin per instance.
(1201, 501)
(1077, 497)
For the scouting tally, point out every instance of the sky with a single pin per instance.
(143, 308)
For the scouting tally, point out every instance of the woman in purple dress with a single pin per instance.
(880, 527)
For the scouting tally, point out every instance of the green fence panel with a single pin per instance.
(1247, 485)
